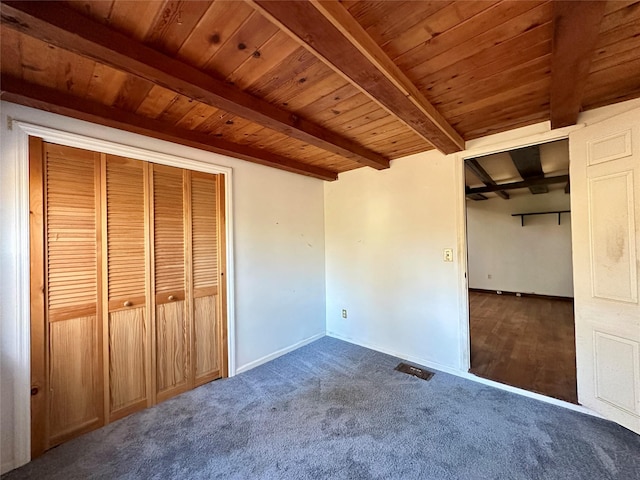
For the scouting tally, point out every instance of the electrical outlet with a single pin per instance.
(489, 276)
(344, 313)
(448, 255)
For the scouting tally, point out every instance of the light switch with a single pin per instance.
(448, 255)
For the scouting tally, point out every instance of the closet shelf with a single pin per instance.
(553, 212)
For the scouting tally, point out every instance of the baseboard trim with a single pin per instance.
(421, 361)
(522, 294)
(534, 395)
(279, 353)
(469, 376)
(7, 467)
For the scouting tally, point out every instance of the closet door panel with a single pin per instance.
(75, 379)
(127, 359)
(206, 339)
(171, 321)
(127, 252)
(205, 266)
(171, 332)
(74, 405)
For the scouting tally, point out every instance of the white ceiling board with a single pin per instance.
(500, 167)
(554, 157)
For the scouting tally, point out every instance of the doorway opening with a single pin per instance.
(520, 280)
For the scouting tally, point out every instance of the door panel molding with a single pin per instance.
(611, 147)
(624, 353)
(613, 253)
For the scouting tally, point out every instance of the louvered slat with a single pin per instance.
(168, 229)
(205, 231)
(125, 227)
(71, 228)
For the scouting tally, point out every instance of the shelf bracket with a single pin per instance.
(554, 212)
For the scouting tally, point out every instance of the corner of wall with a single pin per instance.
(6, 466)
(283, 351)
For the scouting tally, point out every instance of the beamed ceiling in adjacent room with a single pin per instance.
(315, 87)
(536, 169)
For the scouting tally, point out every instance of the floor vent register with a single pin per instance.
(415, 371)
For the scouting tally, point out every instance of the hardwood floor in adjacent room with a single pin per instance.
(526, 342)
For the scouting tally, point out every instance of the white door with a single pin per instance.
(605, 205)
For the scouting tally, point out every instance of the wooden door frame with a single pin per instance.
(21, 131)
(38, 323)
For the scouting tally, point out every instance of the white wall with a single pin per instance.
(385, 235)
(385, 232)
(278, 243)
(279, 260)
(535, 258)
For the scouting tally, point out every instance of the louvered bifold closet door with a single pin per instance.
(73, 306)
(129, 331)
(206, 272)
(172, 319)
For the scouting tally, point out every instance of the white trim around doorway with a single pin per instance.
(484, 148)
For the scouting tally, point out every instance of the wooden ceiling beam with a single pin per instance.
(475, 167)
(516, 185)
(331, 33)
(59, 25)
(576, 26)
(477, 197)
(529, 166)
(18, 91)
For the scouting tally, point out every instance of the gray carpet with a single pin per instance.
(335, 410)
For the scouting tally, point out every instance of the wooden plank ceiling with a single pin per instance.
(315, 87)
